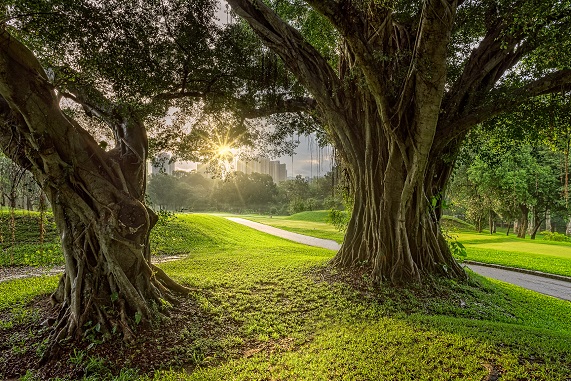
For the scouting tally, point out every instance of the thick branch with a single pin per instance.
(312, 69)
(550, 83)
(282, 106)
(499, 51)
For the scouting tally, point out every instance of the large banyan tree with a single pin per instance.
(81, 85)
(399, 87)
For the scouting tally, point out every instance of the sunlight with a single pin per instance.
(224, 150)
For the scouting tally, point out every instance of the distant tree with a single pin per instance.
(511, 179)
(240, 190)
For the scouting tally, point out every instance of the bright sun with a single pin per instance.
(224, 150)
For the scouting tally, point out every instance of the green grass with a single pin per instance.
(309, 223)
(290, 324)
(20, 291)
(547, 256)
(310, 216)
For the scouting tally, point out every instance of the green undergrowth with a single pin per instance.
(22, 247)
(290, 317)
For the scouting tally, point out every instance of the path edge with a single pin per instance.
(520, 270)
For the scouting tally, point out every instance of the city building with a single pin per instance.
(162, 164)
(262, 165)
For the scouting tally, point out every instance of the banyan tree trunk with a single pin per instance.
(97, 197)
(394, 227)
(523, 221)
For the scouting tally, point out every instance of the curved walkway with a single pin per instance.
(559, 288)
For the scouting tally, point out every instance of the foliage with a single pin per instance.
(252, 191)
(503, 176)
(554, 236)
(339, 219)
(182, 190)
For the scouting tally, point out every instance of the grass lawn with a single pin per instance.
(547, 256)
(275, 312)
(309, 223)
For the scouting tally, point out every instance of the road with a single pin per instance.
(558, 288)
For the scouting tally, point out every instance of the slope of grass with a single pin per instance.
(310, 216)
(294, 319)
(451, 222)
(547, 256)
(310, 223)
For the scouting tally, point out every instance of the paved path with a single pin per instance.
(300, 238)
(18, 272)
(554, 287)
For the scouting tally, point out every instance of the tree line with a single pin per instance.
(242, 193)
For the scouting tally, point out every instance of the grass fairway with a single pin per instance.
(275, 312)
(309, 223)
(547, 256)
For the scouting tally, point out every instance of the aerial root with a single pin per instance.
(167, 281)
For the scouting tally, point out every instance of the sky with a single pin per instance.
(308, 161)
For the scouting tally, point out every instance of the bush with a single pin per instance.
(554, 236)
(339, 219)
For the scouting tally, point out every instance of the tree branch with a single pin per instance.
(306, 63)
(550, 83)
(282, 106)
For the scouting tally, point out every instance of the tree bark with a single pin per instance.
(385, 142)
(523, 221)
(97, 197)
(537, 221)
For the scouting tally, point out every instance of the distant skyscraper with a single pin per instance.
(262, 165)
(162, 164)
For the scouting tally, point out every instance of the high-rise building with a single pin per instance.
(265, 166)
(162, 164)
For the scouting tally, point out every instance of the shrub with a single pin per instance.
(554, 236)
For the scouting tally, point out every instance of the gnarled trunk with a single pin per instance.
(394, 226)
(97, 197)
